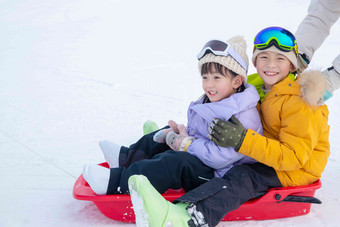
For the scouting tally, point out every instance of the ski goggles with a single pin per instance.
(283, 39)
(220, 48)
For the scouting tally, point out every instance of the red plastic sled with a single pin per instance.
(276, 203)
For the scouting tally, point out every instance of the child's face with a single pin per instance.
(217, 86)
(272, 67)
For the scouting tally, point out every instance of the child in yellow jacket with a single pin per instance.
(293, 151)
(295, 120)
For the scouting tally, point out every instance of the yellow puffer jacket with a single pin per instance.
(296, 130)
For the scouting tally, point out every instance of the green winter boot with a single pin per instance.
(151, 209)
(149, 126)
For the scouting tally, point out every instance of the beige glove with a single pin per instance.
(179, 141)
(159, 137)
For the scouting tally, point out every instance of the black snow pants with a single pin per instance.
(210, 202)
(164, 168)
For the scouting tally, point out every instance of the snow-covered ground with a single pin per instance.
(76, 72)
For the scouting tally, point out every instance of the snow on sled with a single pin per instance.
(275, 203)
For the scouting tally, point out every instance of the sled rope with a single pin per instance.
(37, 154)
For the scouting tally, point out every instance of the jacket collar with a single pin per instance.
(310, 85)
(256, 80)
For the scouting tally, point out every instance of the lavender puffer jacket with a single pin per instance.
(243, 106)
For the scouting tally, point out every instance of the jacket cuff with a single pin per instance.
(248, 142)
(186, 143)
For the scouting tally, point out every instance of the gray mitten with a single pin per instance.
(159, 137)
(179, 142)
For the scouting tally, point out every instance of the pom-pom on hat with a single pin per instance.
(240, 46)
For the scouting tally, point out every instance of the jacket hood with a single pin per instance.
(313, 85)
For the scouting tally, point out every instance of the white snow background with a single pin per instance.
(74, 72)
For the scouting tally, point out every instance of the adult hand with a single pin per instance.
(179, 141)
(227, 133)
(303, 62)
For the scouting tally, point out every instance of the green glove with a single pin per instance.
(227, 133)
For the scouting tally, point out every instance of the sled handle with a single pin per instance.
(298, 199)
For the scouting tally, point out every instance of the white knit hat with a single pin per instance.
(291, 55)
(240, 46)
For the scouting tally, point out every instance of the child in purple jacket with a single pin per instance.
(179, 157)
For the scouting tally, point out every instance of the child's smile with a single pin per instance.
(269, 73)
